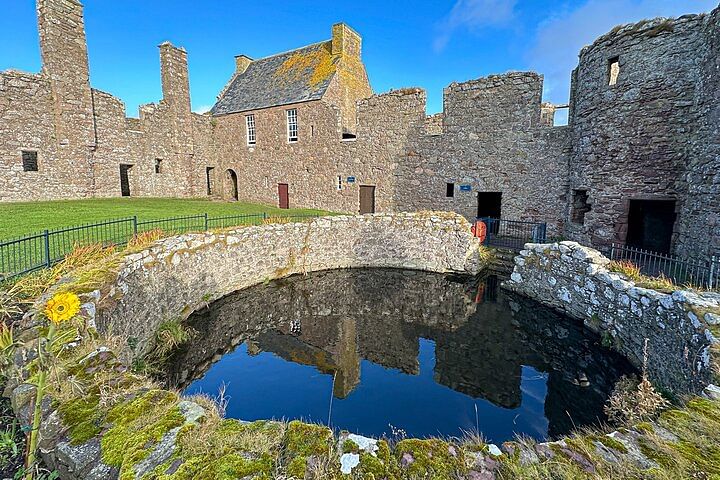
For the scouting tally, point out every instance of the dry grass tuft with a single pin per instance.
(143, 240)
(633, 273)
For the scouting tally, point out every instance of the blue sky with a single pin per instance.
(406, 43)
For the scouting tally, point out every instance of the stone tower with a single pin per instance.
(63, 49)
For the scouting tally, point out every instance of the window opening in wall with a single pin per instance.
(450, 190)
(250, 124)
(312, 130)
(30, 160)
(348, 136)
(613, 70)
(339, 183)
(292, 125)
(158, 165)
(209, 173)
(580, 206)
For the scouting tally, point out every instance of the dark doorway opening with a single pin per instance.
(232, 184)
(125, 180)
(367, 199)
(284, 195)
(209, 179)
(489, 204)
(650, 224)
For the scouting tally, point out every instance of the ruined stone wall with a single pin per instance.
(698, 225)
(387, 127)
(631, 140)
(491, 140)
(575, 280)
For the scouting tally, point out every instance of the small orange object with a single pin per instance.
(479, 230)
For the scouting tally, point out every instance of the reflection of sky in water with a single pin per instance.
(267, 386)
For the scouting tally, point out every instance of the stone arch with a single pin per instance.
(231, 185)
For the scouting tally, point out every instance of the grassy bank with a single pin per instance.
(17, 219)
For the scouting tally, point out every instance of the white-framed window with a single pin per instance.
(250, 125)
(292, 125)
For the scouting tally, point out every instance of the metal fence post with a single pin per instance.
(46, 238)
(207, 224)
(135, 226)
(264, 216)
(711, 280)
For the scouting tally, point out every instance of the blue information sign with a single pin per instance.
(351, 180)
(465, 188)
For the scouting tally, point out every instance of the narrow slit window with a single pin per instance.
(580, 206)
(250, 124)
(613, 70)
(209, 173)
(30, 161)
(292, 125)
(339, 183)
(450, 190)
(158, 165)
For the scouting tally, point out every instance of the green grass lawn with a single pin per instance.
(17, 219)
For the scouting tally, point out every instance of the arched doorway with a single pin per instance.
(231, 185)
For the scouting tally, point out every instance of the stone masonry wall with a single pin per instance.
(698, 225)
(575, 280)
(180, 274)
(490, 140)
(631, 140)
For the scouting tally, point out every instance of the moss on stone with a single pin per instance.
(610, 443)
(382, 465)
(431, 458)
(303, 440)
(82, 417)
(349, 446)
(138, 425)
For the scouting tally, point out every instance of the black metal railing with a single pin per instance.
(23, 255)
(682, 271)
(513, 233)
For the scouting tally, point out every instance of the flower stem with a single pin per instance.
(37, 412)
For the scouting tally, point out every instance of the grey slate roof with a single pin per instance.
(264, 84)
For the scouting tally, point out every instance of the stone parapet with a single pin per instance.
(676, 325)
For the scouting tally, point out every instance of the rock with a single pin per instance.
(712, 391)
(406, 460)
(76, 459)
(191, 411)
(494, 450)
(348, 462)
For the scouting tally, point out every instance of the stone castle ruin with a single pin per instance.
(638, 162)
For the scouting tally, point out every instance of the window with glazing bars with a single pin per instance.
(250, 124)
(292, 125)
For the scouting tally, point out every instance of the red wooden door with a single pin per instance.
(284, 195)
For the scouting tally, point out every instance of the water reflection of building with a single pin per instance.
(333, 320)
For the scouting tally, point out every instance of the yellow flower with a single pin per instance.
(62, 307)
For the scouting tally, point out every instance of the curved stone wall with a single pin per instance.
(178, 275)
(677, 325)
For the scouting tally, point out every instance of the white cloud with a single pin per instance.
(203, 109)
(473, 15)
(560, 38)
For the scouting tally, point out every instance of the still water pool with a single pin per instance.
(387, 352)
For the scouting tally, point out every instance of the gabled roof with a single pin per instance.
(295, 76)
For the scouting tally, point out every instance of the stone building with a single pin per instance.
(636, 164)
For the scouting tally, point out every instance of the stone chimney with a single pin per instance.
(345, 41)
(242, 62)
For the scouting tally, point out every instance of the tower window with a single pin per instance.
(613, 70)
(339, 183)
(250, 124)
(292, 125)
(158, 165)
(30, 160)
(580, 206)
(450, 190)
